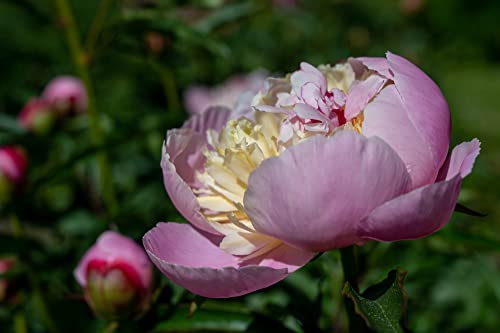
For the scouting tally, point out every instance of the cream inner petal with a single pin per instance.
(233, 154)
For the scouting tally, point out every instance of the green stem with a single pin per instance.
(169, 86)
(349, 259)
(20, 325)
(40, 303)
(97, 25)
(16, 226)
(96, 132)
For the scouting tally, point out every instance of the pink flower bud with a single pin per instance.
(37, 115)
(13, 165)
(5, 265)
(116, 276)
(66, 94)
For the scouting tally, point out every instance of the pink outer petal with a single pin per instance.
(425, 104)
(192, 261)
(377, 64)
(461, 160)
(412, 215)
(361, 93)
(183, 155)
(214, 117)
(112, 247)
(197, 99)
(425, 210)
(385, 117)
(314, 193)
(181, 158)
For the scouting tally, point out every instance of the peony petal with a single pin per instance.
(462, 158)
(385, 117)
(313, 194)
(377, 64)
(213, 118)
(181, 158)
(192, 261)
(197, 99)
(244, 243)
(308, 74)
(272, 109)
(361, 93)
(305, 111)
(425, 104)
(413, 215)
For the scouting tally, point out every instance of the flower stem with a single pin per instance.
(169, 86)
(349, 259)
(97, 25)
(20, 325)
(16, 226)
(41, 304)
(96, 132)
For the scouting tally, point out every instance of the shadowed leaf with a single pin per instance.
(382, 305)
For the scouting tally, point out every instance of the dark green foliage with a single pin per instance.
(454, 276)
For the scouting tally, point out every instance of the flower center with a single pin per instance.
(308, 103)
(230, 158)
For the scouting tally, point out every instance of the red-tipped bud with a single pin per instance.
(116, 276)
(37, 116)
(13, 164)
(5, 265)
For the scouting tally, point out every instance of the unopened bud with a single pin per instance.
(37, 116)
(66, 94)
(116, 276)
(13, 165)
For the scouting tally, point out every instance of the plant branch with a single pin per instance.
(96, 132)
(97, 25)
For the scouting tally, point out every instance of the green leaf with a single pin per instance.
(10, 124)
(205, 320)
(383, 305)
(227, 14)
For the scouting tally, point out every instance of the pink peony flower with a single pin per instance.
(66, 94)
(5, 265)
(332, 156)
(116, 276)
(198, 98)
(37, 115)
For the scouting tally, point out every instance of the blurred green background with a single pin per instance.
(142, 55)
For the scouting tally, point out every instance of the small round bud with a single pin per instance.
(116, 276)
(66, 94)
(13, 165)
(37, 116)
